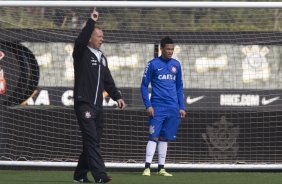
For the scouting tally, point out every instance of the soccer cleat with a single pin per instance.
(163, 172)
(146, 172)
(104, 180)
(82, 180)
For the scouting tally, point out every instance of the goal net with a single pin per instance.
(231, 61)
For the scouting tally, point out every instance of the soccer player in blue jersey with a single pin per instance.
(166, 105)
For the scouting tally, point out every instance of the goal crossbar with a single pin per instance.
(145, 4)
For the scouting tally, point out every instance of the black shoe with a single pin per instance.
(82, 180)
(104, 180)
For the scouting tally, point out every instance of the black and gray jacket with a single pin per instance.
(92, 77)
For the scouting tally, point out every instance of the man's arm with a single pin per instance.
(110, 86)
(179, 89)
(112, 90)
(146, 79)
(83, 38)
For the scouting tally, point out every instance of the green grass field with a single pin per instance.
(63, 177)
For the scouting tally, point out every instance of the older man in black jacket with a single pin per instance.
(92, 77)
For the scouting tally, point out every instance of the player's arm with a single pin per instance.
(180, 96)
(146, 79)
(83, 38)
(150, 111)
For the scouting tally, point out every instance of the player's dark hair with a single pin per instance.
(166, 40)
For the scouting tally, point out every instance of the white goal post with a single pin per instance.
(231, 71)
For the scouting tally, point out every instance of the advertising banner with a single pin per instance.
(195, 99)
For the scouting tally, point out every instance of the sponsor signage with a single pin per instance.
(63, 97)
(195, 99)
(233, 99)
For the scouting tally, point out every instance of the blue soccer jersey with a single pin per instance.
(165, 77)
(167, 96)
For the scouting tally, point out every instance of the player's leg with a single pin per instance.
(167, 133)
(154, 131)
(150, 151)
(162, 151)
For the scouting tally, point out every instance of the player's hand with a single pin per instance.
(95, 15)
(182, 113)
(121, 103)
(150, 111)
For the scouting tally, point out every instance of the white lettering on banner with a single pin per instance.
(30, 101)
(67, 98)
(109, 103)
(239, 100)
(42, 99)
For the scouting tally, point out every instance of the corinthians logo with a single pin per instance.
(221, 138)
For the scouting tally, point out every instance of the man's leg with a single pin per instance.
(81, 168)
(155, 125)
(80, 173)
(100, 175)
(91, 141)
(162, 150)
(168, 132)
(150, 151)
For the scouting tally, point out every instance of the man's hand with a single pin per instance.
(95, 15)
(182, 113)
(150, 111)
(121, 103)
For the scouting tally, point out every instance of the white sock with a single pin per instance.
(162, 150)
(150, 151)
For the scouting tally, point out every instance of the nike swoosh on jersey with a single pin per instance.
(159, 69)
(264, 101)
(190, 100)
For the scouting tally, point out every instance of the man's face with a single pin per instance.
(96, 39)
(167, 51)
